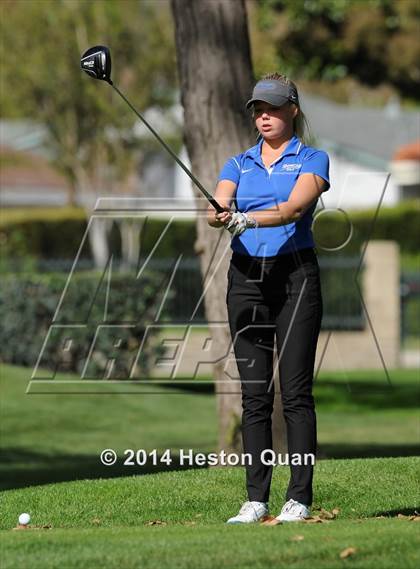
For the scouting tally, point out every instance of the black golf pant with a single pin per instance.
(276, 300)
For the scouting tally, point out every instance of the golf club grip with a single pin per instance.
(203, 190)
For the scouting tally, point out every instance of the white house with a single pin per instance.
(361, 143)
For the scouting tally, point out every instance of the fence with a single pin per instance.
(410, 306)
(342, 304)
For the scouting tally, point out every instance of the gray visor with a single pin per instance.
(273, 92)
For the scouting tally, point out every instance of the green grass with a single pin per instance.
(380, 545)
(58, 437)
(410, 261)
(397, 377)
(103, 523)
(364, 413)
(99, 515)
(412, 343)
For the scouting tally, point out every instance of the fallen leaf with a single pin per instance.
(20, 526)
(347, 552)
(189, 523)
(96, 521)
(270, 521)
(297, 538)
(326, 514)
(315, 520)
(28, 527)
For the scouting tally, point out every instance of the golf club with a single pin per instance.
(96, 62)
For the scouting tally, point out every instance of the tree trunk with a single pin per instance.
(130, 231)
(215, 74)
(87, 184)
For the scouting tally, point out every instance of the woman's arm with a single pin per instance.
(225, 191)
(306, 191)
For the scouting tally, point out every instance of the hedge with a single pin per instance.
(56, 233)
(399, 223)
(28, 303)
(45, 234)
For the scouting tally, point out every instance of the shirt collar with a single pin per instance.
(293, 148)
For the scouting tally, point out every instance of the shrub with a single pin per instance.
(28, 303)
(399, 223)
(57, 233)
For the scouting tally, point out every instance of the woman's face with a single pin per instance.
(274, 122)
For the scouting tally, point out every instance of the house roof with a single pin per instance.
(374, 131)
(27, 169)
(408, 152)
(29, 179)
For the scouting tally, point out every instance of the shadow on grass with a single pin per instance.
(22, 468)
(340, 450)
(395, 513)
(369, 395)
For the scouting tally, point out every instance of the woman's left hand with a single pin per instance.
(240, 222)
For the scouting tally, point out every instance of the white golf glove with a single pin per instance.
(239, 222)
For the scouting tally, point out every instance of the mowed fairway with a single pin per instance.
(102, 516)
(104, 523)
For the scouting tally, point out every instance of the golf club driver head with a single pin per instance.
(96, 62)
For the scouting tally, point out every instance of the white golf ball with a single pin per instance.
(24, 519)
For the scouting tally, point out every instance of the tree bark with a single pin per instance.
(130, 231)
(215, 74)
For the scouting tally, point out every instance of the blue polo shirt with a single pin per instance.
(259, 187)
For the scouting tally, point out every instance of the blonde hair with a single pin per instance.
(300, 123)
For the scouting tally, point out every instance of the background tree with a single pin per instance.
(216, 78)
(90, 130)
(343, 49)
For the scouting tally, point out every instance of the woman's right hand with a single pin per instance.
(213, 217)
(224, 194)
(225, 216)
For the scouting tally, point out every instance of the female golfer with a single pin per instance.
(273, 289)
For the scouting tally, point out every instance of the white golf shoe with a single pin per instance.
(250, 512)
(293, 511)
